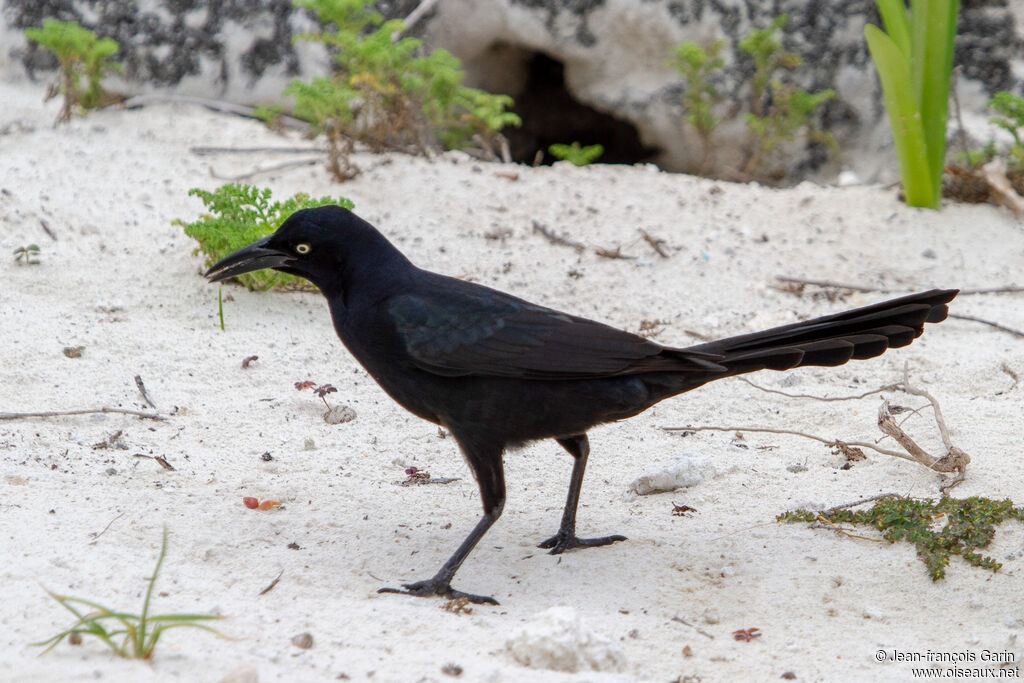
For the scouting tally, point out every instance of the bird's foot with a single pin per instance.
(561, 542)
(440, 587)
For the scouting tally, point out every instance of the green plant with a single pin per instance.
(27, 255)
(81, 55)
(914, 58)
(241, 214)
(699, 66)
(969, 525)
(385, 93)
(778, 111)
(1011, 119)
(575, 154)
(131, 635)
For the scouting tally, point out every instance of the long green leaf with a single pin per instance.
(897, 24)
(904, 117)
(938, 36)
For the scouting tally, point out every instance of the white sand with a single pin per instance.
(123, 282)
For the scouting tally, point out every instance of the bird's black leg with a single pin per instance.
(487, 466)
(566, 538)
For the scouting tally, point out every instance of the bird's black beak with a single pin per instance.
(256, 256)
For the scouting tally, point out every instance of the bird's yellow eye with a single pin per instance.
(303, 248)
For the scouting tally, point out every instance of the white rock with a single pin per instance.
(559, 640)
(681, 471)
(243, 673)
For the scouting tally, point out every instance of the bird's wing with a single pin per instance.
(484, 332)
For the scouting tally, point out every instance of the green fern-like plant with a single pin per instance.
(576, 154)
(969, 526)
(239, 215)
(386, 93)
(82, 56)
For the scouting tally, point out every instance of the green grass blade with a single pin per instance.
(904, 117)
(175, 618)
(141, 635)
(897, 24)
(940, 34)
(220, 306)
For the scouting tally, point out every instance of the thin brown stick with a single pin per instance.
(269, 169)
(615, 253)
(46, 229)
(655, 243)
(142, 390)
(272, 584)
(207, 151)
(96, 537)
(827, 524)
(556, 239)
(999, 327)
(86, 411)
(834, 443)
(695, 628)
(214, 105)
(829, 284)
(887, 387)
(855, 503)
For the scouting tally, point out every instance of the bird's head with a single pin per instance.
(325, 245)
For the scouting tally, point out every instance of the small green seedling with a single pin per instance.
(938, 529)
(778, 111)
(1010, 110)
(575, 154)
(914, 58)
(27, 255)
(82, 56)
(700, 67)
(73, 351)
(132, 636)
(238, 216)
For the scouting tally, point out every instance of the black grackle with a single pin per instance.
(498, 371)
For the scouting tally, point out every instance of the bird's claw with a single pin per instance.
(430, 587)
(561, 542)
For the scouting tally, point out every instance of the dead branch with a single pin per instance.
(1002, 191)
(213, 105)
(999, 327)
(142, 390)
(557, 239)
(831, 443)
(208, 151)
(829, 284)
(954, 461)
(855, 503)
(615, 253)
(656, 244)
(269, 169)
(87, 411)
(887, 387)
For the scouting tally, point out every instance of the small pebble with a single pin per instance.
(303, 640)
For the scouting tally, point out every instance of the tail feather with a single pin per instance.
(832, 340)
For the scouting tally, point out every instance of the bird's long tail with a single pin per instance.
(833, 339)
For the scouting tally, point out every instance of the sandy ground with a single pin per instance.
(121, 280)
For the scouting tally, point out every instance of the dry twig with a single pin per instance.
(1002, 328)
(87, 411)
(955, 460)
(142, 390)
